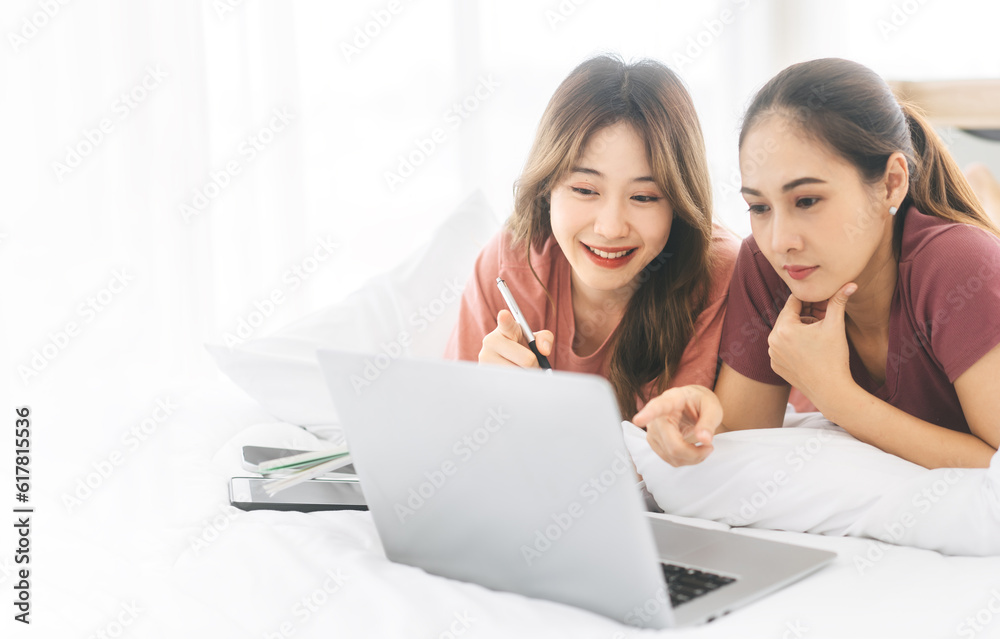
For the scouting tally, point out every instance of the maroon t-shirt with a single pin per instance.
(944, 316)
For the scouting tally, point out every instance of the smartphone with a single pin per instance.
(247, 493)
(255, 455)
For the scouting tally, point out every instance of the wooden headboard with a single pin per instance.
(965, 104)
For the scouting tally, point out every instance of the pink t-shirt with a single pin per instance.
(944, 316)
(481, 302)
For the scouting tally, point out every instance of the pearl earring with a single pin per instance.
(892, 210)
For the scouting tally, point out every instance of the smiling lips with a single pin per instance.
(800, 272)
(609, 258)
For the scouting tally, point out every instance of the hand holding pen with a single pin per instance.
(513, 341)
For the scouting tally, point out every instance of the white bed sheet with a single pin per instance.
(159, 553)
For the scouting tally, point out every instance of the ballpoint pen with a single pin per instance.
(519, 318)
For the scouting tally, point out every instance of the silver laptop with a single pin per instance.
(520, 481)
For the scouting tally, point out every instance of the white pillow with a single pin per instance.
(812, 476)
(410, 310)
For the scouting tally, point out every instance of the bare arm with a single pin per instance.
(747, 403)
(875, 422)
(977, 391)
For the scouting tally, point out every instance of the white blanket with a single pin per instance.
(157, 552)
(812, 476)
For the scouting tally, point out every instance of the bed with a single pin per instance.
(191, 565)
(161, 553)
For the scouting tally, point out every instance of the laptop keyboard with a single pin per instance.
(686, 584)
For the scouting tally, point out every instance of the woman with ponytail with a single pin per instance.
(870, 284)
(610, 253)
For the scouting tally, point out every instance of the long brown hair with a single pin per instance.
(852, 110)
(673, 288)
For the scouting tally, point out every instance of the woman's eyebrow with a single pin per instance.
(583, 169)
(788, 187)
(799, 182)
